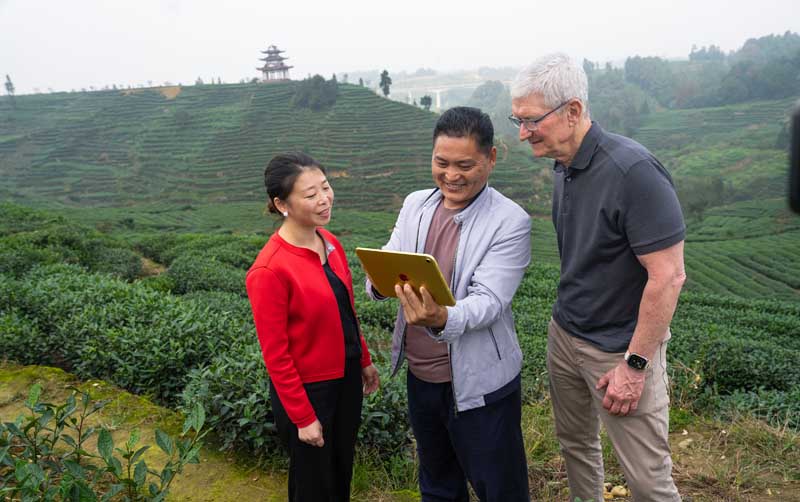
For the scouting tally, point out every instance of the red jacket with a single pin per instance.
(297, 319)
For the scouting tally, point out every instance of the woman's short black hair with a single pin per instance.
(282, 172)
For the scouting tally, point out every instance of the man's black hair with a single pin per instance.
(465, 121)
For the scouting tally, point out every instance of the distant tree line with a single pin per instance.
(315, 93)
(764, 68)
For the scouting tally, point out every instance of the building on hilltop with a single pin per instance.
(274, 69)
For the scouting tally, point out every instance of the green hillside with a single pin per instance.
(209, 144)
(736, 143)
(190, 159)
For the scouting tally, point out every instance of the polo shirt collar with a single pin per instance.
(585, 151)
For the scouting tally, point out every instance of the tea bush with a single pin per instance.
(16, 258)
(732, 364)
(15, 218)
(20, 339)
(44, 455)
(778, 408)
(234, 389)
(162, 282)
(236, 251)
(143, 340)
(221, 302)
(55, 241)
(197, 272)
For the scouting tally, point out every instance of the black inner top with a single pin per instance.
(352, 342)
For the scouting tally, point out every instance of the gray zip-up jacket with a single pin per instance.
(493, 252)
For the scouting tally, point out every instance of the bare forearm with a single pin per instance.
(656, 309)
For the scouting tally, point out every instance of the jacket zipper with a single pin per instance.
(496, 347)
(450, 345)
(416, 250)
(403, 338)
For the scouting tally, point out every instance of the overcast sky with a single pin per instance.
(70, 44)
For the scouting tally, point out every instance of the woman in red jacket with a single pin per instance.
(301, 293)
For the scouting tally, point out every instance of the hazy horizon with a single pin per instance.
(89, 43)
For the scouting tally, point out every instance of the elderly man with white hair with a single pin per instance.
(620, 235)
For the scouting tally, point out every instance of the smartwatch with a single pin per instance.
(636, 361)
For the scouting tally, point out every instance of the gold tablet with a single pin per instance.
(387, 268)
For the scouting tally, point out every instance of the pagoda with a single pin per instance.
(274, 68)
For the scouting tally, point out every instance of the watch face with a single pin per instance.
(637, 362)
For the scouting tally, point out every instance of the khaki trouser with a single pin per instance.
(640, 439)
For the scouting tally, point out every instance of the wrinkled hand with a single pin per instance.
(624, 389)
(312, 434)
(370, 379)
(420, 310)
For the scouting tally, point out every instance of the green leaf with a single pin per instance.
(140, 474)
(133, 439)
(34, 395)
(164, 441)
(85, 493)
(105, 444)
(198, 417)
(112, 492)
(75, 469)
(45, 418)
(68, 439)
(116, 467)
(139, 453)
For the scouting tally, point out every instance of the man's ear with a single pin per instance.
(493, 156)
(575, 111)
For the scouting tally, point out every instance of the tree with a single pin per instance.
(361, 82)
(493, 98)
(652, 74)
(588, 67)
(386, 81)
(199, 81)
(315, 93)
(698, 195)
(10, 91)
(426, 102)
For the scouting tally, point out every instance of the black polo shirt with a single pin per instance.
(615, 201)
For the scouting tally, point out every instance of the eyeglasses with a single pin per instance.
(532, 124)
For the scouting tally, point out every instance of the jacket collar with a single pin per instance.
(301, 251)
(435, 197)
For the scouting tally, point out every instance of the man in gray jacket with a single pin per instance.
(464, 361)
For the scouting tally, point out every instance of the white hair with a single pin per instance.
(556, 78)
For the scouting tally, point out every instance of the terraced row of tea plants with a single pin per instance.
(186, 335)
(205, 144)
